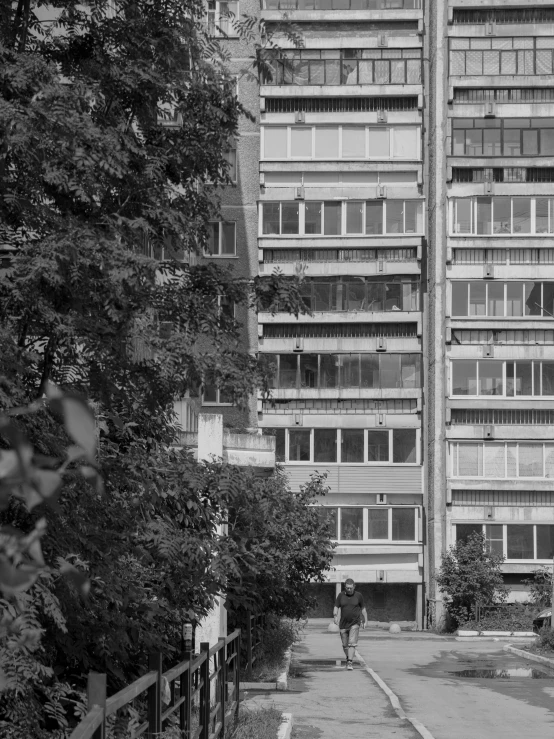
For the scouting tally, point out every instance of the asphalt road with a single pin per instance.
(427, 678)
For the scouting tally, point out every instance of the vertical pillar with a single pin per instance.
(210, 436)
(419, 605)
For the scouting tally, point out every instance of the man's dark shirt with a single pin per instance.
(350, 608)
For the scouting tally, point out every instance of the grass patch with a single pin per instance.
(261, 724)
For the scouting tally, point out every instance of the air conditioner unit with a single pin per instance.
(262, 105)
(489, 512)
(298, 419)
(299, 193)
(488, 187)
(381, 576)
(381, 344)
(381, 191)
(488, 350)
(489, 110)
(489, 29)
(381, 116)
(448, 335)
(488, 271)
(448, 415)
(381, 498)
(381, 267)
(382, 41)
(381, 419)
(298, 345)
(489, 432)
(300, 117)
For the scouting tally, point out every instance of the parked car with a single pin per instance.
(543, 619)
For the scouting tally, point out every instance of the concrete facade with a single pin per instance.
(403, 159)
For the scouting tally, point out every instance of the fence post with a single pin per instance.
(96, 696)
(186, 689)
(155, 696)
(205, 692)
(237, 677)
(249, 646)
(223, 680)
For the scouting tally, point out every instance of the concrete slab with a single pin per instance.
(327, 701)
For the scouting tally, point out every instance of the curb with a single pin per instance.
(513, 634)
(258, 686)
(521, 639)
(285, 728)
(282, 680)
(393, 698)
(529, 655)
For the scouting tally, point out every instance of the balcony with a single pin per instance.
(342, 10)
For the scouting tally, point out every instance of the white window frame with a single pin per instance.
(455, 459)
(218, 402)
(218, 254)
(453, 218)
(214, 19)
(504, 362)
(505, 525)
(340, 156)
(386, 463)
(365, 526)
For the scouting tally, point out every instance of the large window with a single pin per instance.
(508, 137)
(501, 55)
(502, 216)
(342, 67)
(484, 377)
(348, 446)
(221, 14)
(513, 541)
(360, 294)
(502, 459)
(366, 371)
(341, 4)
(375, 524)
(341, 142)
(335, 218)
(222, 239)
(500, 299)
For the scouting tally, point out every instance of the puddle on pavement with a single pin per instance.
(505, 674)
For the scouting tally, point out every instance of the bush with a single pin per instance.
(545, 642)
(261, 724)
(470, 574)
(540, 587)
(507, 617)
(278, 636)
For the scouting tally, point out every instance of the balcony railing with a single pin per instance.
(341, 4)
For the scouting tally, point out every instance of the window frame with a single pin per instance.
(505, 526)
(218, 254)
(365, 527)
(473, 201)
(536, 377)
(510, 447)
(214, 18)
(338, 446)
(545, 313)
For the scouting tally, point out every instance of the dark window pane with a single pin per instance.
(210, 394)
(325, 445)
(520, 542)
(460, 298)
(332, 218)
(474, 142)
(530, 143)
(333, 519)
(545, 542)
(322, 296)
(524, 378)
(308, 370)
(548, 378)
(395, 216)
(374, 217)
(369, 364)
(377, 523)
(502, 211)
(464, 377)
(355, 295)
(495, 299)
(403, 524)
(350, 370)
(548, 299)
(312, 214)
(270, 363)
(404, 449)
(514, 299)
(299, 445)
(490, 378)
(458, 142)
(352, 445)
(409, 370)
(484, 215)
(376, 296)
(541, 215)
(491, 143)
(279, 445)
(377, 446)
(290, 218)
(389, 371)
(271, 218)
(477, 298)
(288, 370)
(522, 215)
(351, 524)
(393, 296)
(465, 530)
(329, 370)
(512, 142)
(354, 217)
(533, 298)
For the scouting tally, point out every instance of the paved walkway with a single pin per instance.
(327, 701)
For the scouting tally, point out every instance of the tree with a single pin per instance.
(540, 587)
(470, 575)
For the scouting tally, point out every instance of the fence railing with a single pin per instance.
(254, 639)
(203, 692)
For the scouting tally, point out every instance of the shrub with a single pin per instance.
(545, 641)
(540, 587)
(261, 724)
(507, 617)
(470, 574)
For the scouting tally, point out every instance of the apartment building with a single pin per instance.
(491, 282)
(402, 157)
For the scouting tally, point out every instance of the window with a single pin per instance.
(492, 137)
(222, 239)
(514, 541)
(341, 142)
(347, 370)
(221, 14)
(343, 67)
(213, 395)
(501, 56)
(502, 216)
(484, 377)
(341, 4)
(500, 299)
(231, 157)
(376, 524)
(502, 459)
(332, 218)
(352, 446)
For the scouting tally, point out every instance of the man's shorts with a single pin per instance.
(349, 637)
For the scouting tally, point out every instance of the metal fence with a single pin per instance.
(203, 691)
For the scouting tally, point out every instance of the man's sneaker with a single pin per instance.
(349, 665)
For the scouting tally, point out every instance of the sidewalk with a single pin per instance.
(327, 701)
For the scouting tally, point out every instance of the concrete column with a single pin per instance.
(210, 436)
(419, 605)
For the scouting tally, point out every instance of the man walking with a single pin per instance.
(350, 603)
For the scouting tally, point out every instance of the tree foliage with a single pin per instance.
(470, 574)
(115, 119)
